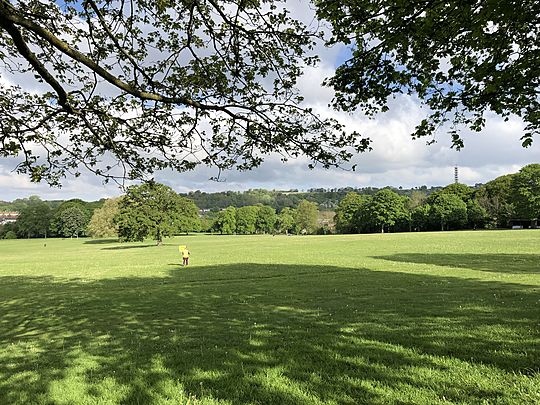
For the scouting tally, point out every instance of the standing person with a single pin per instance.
(185, 256)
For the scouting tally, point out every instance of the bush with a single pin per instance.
(10, 235)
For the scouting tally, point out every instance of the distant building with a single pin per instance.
(7, 217)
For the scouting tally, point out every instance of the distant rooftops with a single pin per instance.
(8, 216)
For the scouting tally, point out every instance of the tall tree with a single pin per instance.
(306, 215)
(526, 191)
(195, 82)
(460, 58)
(154, 210)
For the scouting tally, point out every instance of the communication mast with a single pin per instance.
(456, 179)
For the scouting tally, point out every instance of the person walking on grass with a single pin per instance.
(185, 256)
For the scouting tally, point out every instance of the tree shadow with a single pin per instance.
(101, 241)
(125, 247)
(252, 333)
(495, 263)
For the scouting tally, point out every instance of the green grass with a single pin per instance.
(431, 318)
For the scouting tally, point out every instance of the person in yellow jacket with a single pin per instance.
(185, 256)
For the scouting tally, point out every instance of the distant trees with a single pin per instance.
(226, 221)
(154, 210)
(266, 219)
(496, 198)
(262, 219)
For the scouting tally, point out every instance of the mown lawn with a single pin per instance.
(398, 318)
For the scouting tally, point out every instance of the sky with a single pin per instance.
(396, 160)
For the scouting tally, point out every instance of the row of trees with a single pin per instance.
(263, 219)
(456, 206)
(279, 199)
(39, 218)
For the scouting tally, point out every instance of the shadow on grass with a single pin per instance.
(495, 263)
(101, 241)
(251, 333)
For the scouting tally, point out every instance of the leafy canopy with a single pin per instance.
(461, 58)
(128, 88)
(154, 210)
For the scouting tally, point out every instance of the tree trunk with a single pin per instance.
(382, 228)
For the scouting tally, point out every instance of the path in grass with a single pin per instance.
(398, 318)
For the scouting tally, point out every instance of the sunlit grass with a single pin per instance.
(396, 318)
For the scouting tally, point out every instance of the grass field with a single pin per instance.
(431, 318)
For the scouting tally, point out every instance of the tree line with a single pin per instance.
(155, 210)
(456, 206)
(326, 199)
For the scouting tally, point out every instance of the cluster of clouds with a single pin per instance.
(396, 159)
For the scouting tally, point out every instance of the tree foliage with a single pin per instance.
(226, 221)
(497, 199)
(347, 212)
(79, 214)
(449, 211)
(526, 191)
(127, 88)
(462, 59)
(154, 210)
(285, 220)
(266, 219)
(385, 209)
(34, 219)
(306, 215)
(102, 223)
(71, 222)
(246, 218)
